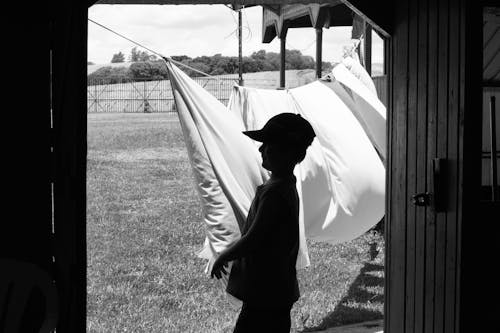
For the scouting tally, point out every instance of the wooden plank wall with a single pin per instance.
(69, 114)
(26, 223)
(426, 107)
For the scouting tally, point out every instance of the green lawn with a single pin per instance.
(144, 228)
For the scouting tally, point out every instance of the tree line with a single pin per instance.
(147, 66)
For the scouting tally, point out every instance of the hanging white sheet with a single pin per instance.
(357, 70)
(342, 180)
(226, 164)
(340, 183)
(361, 101)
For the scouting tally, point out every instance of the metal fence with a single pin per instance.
(156, 96)
(147, 96)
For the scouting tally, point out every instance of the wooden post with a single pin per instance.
(358, 51)
(386, 56)
(240, 57)
(493, 148)
(368, 48)
(319, 46)
(282, 62)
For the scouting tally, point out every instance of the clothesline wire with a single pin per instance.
(154, 52)
(249, 36)
(248, 25)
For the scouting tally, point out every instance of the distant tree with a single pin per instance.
(224, 65)
(137, 55)
(158, 70)
(259, 55)
(272, 62)
(199, 66)
(148, 70)
(180, 58)
(326, 66)
(218, 71)
(90, 63)
(250, 65)
(295, 60)
(108, 74)
(134, 55)
(140, 70)
(148, 67)
(118, 57)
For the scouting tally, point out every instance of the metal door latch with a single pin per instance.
(421, 199)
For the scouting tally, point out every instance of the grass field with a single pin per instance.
(144, 228)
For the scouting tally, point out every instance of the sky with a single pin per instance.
(196, 30)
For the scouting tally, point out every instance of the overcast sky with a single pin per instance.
(197, 30)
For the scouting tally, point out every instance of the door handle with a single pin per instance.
(421, 199)
(437, 198)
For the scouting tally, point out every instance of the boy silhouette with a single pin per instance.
(263, 274)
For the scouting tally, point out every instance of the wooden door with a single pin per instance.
(426, 149)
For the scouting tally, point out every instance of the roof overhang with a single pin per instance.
(245, 3)
(276, 20)
(376, 13)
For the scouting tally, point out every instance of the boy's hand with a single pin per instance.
(218, 268)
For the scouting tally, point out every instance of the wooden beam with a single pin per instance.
(371, 12)
(240, 56)
(491, 84)
(387, 52)
(368, 48)
(276, 9)
(245, 3)
(282, 61)
(319, 47)
(493, 148)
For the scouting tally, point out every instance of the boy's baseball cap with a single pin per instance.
(284, 128)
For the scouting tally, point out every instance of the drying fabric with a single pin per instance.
(340, 183)
(226, 164)
(362, 102)
(356, 69)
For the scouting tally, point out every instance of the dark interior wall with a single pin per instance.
(480, 227)
(69, 114)
(26, 241)
(26, 146)
(431, 256)
(434, 256)
(44, 132)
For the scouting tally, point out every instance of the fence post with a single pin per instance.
(95, 95)
(147, 108)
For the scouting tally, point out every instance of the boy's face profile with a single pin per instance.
(285, 138)
(276, 156)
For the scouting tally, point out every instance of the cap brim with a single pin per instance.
(256, 135)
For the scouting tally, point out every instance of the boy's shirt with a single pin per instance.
(267, 274)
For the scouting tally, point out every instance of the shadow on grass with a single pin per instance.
(360, 304)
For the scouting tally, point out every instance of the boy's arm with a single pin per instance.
(270, 210)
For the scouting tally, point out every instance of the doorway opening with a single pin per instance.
(144, 221)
